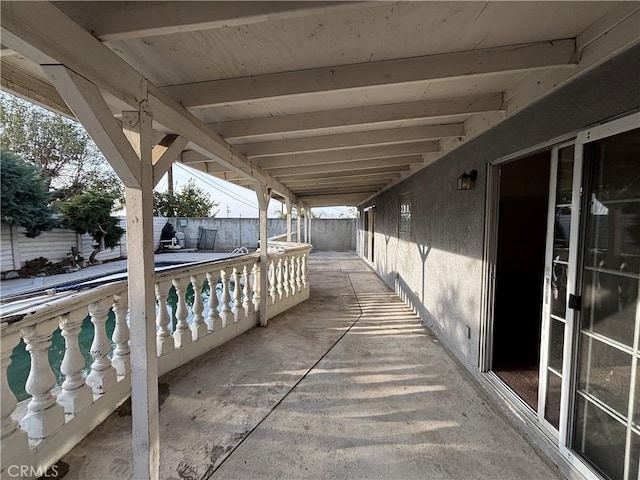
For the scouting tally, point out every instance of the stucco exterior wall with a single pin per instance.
(440, 269)
(231, 232)
(326, 233)
(333, 234)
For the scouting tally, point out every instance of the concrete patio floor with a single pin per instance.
(346, 385)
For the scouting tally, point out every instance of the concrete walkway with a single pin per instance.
(346, 385)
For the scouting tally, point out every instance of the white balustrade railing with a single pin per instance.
(213, 301)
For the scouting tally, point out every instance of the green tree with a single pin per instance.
(190, 201)
(90, 212)
(24, 196)
(278, 213)
(72, 163)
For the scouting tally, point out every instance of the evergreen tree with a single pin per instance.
(90, 212)
(24, 196)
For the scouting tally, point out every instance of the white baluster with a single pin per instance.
(247, 298)
(272, 281)
(237, 295)
(102, 376)
(304, 270)
(299, 272)
(198, 327)
(182, 335)
(164, 340)
(256, 287)
(285, 277)
(44, 416)
(75, 394)
(279, 275)
(292, 274)
(214, 322)
(121, 354)
(13, 441)
(225, 311)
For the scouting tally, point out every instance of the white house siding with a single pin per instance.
(53, 245)
(6, 255)
(56, 244)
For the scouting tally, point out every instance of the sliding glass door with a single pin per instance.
(556, 291)
(585, 385)
(605, 427)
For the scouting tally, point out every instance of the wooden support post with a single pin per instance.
(304, 225)
(298, 226)
(140, 248)
(130, 155)
(163, 155)
(309, 228)
(288, 204)
(264, 196)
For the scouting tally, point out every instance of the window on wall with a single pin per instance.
(404, 222)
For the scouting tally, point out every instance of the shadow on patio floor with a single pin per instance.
(348, 384)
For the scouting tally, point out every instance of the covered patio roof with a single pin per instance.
(325, 103)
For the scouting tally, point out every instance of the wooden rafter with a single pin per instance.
(148, 19)
(349, 140)
(427, 109)
(531, 56)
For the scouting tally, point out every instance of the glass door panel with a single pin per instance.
(605, 409)
(556, 287)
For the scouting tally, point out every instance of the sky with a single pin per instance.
(235, 201)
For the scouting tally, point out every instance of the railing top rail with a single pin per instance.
(59, 305)
(25, 315)
(207, 266)
(276, 238)
(289, 247)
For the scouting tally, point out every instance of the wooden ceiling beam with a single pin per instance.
(555, 53)
(25, 86)
(349, 155)
(346, 166)
(330, 188)
(324, 191)
(390, 171)
(438, 109)
(335, 200)
(350, 140)
(110, 21)
(329, 182)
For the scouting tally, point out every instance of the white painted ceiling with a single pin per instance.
(226, 63)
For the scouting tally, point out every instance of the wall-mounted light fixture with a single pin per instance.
(465, 181)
